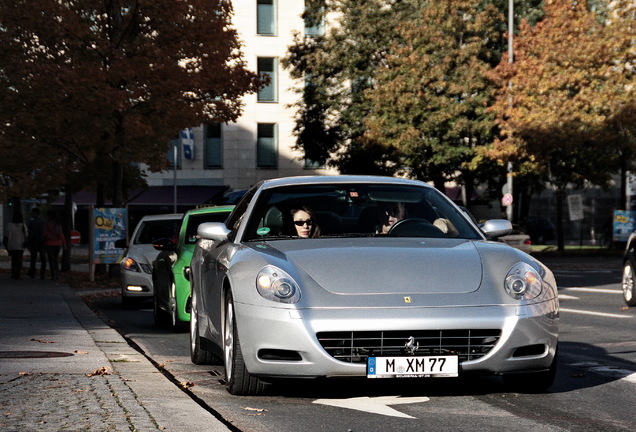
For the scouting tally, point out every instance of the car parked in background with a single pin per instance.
(629, 264)
(540, 230)
(171, 288)
(518, 239)
(370, 277)
(136, 265)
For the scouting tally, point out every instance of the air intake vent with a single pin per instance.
(355, 347)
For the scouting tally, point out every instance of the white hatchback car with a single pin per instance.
(136, 266)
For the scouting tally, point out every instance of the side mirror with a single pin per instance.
(121, 244)
(495, 228)
(216, 231)
(164, 244)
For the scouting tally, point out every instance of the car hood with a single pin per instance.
(143, 253)
(387, 266)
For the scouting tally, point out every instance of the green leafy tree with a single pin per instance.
(430, 97)
(346, 67)
(338, 66)
(90, 86)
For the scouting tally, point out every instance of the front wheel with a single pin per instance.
(177, 324)
(629, 289)
(238, 380)
(198, 354)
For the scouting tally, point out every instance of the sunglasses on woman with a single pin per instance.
(309, 222)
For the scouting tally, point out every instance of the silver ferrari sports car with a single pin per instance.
(352, 276)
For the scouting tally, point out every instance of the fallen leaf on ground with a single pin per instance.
(255, 409)
(43, 341)
(100, 371)
(186, 384)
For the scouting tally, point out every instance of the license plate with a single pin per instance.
(412, 367)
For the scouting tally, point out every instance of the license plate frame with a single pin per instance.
(442, 366)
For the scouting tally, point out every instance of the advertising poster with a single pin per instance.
(109, 226)
(624, 224)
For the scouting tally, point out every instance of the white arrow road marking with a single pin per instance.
(375, 405)
(600, 314)
(612, 371)
(594, 290)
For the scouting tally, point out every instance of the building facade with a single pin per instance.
(259, 145)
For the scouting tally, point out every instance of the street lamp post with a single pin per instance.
(509, 182)
(175, 151)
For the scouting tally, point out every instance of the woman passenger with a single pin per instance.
(304, 221)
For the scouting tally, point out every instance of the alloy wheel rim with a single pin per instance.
(628, 282)
(193, 324)
(228, 346)
(173, 305)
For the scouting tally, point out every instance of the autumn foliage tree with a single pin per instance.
(91, 86)
(566, 82)
(400, 86)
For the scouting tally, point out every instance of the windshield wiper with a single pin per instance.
(349, 235)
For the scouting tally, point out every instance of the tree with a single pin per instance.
(430, 97)
(337, 67)
(345, 70)
(556, 97)
(91, 83)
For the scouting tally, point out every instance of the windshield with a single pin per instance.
(343, 210)
(152, 230)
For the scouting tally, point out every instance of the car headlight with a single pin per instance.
(276, 285)
(130, 265)
(523, 282)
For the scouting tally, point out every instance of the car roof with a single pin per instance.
(170, 216)
(355, 179)
(211, 209)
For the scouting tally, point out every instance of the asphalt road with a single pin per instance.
(595, 388)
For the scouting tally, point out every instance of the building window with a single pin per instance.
(267, 146)
(309, 164)
(267, 67)
(265, 17)
(213, 146)
(315, 28)
(174, 143)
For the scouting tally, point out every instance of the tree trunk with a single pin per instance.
(560, 194)
(625, 204)
(67, 225)
(118, 182)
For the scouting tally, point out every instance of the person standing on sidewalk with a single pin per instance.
(36, 243)
(15, 242)
(53, 241)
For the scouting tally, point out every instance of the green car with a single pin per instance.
(171, 288)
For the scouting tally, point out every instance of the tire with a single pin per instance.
(238, 380)
(533, 382)
(628, 285)
(160, 316)
(177, 325)
(198, 355)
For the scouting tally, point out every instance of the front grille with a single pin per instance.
(355, 347)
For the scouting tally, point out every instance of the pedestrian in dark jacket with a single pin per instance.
(36, 243)
(53, 241)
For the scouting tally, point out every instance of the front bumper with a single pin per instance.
(278, 342)
(136, 284)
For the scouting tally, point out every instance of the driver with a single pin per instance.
(389, 215)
